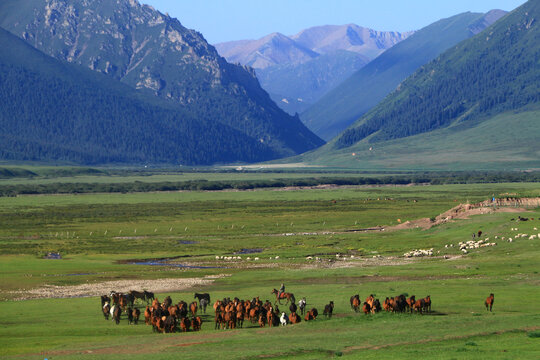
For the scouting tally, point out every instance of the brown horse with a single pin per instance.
(288, 296)
(427, 303)
(366, 308)
(262, 319)
(355, 303)
(185, 324)
(193, 308)
(294, 318)
(489, 301)
(196, 323)
(147, 316)
(418, 305)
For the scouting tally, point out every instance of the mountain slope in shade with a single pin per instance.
(56, 111)
(482, 94)
(154, 53)
(339, 108)
(299, 69)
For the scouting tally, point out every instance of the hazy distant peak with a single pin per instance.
(278, 49)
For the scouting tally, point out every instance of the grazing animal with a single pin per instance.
(169, 325)
(284, 319)
(366, 308)
(410, 302)
(311, 314)
(302, 305)
(202, 296)
(116, 314)
(129, 313)
(196, 323)
(203, 303)
(355, 302)
(105, 299)
(376, 306)
(427, 303)
(137, 295)
(419, 305)
(293, 307)
(166, 303)
(147, 316)
(479, 233)
(240, 318)
(262, 320)
(148, 296)
(185, 324)
(106, 310)
(136, 314)
(218, 320)
(193, 308)
(270, 317)
(328, 309)
(387, 306)
(489, 301)
(285, 295)
(294, 318)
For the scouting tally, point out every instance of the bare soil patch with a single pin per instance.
(97, 289)
(462, 211)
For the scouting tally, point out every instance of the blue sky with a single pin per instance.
(225, 20)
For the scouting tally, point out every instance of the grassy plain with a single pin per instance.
(95, 233)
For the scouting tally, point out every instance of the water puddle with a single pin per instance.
(162, 263)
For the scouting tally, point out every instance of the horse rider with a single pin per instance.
(281, 290)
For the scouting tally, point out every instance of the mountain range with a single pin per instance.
(482, 96)
(340, 107)
(154, 53)
(297, 70)
(55, 111)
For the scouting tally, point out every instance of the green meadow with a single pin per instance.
(100, 235)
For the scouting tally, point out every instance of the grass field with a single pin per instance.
(98, 235)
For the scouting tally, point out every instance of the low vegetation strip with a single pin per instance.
(204, 185)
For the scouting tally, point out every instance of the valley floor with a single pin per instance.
(323, 244)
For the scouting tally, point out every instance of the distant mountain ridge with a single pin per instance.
(279, 49)
(154, 53)
(340, 107)
(297, 70)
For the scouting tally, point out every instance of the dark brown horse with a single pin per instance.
(137, 295)
(287, 296)
(196, 323)
(489, 301)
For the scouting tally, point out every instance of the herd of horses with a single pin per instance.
(398, 303)
(166, 317)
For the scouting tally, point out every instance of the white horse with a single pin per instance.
(302, 305)
(284, 319)
(112, 311)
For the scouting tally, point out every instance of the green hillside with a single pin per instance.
(508, 141)
(55, 111)
(338, 109)
(495, 71)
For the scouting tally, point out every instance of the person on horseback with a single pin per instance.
(281, 290)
